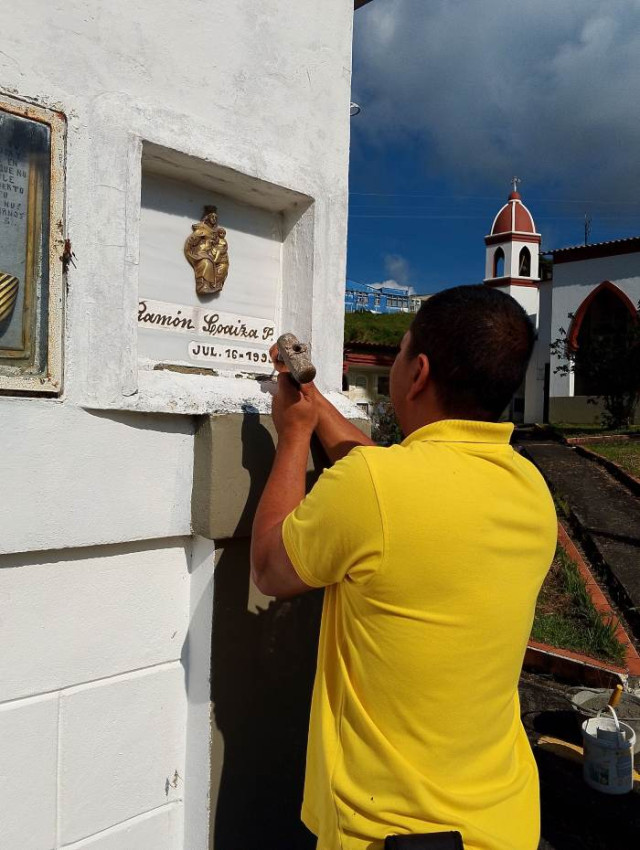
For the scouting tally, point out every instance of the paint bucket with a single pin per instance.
(608, 753)
(589, 702)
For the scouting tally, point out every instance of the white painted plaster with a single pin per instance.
(534, 389)
(76, 478)
(86, 614)
(255, 94)
(276, 108)
(512, 259)
(197, 663)
(160, 829)
(529, 299)
(488, 261)
(121, 743)
(167, 391)
(28, 768)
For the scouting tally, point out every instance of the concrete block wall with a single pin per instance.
(94, 706)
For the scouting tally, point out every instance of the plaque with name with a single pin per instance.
(232, 252)
(30, 299)
(222, 339)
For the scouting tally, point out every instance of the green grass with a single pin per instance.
(626, 453)
(567, 618)
(562, 506)
(569, 430)
(376, 329)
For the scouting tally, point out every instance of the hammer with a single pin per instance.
(296, 357)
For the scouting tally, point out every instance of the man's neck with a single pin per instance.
(420, 418)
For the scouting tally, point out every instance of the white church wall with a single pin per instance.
(529, 299)
(255, 93)
(572, 283)
(508, 259)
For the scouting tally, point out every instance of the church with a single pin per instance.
(586, 290)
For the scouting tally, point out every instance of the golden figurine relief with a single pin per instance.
(207, 251)
(8, 294)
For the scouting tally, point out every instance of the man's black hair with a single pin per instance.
(478, 341)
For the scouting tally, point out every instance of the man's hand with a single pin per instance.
(295, 408)
(295, 414)
(311, 410)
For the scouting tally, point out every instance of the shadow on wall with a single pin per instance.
(263, 666)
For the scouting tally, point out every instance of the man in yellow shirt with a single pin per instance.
(432, 553)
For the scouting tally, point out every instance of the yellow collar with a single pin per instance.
(462, 431)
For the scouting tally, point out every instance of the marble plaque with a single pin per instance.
(230, 330)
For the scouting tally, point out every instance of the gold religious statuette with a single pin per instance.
(207, 251)
(8, 295)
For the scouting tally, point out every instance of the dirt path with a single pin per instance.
(607, 516)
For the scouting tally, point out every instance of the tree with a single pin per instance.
(384, 425)
(610, 363)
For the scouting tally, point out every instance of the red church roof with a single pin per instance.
(514, 217)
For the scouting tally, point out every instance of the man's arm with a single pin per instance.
(337, 435)
(294, 415)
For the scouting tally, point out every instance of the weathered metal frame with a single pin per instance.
(49, 382)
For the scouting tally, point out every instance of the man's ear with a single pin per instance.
(419, 377)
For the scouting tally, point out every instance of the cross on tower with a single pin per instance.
(515, 182)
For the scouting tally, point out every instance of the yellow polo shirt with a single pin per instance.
(433, 553)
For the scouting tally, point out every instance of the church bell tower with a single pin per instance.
(512, 265)
(513, 246)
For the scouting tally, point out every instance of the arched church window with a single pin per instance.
(604, 317)
(498, 263)
(524, 263)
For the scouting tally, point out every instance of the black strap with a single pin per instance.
(427, 841)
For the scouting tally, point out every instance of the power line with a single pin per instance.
(489, 198)
(483, 217)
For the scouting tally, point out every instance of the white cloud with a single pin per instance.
(546, 89)
(398, 268)
(393, 284)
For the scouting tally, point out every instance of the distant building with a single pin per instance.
(366, 373)
(597, 285)
(360, 297)
(590, 290)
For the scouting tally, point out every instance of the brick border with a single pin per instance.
(576, 666)
(588, 439)
(572, 667)
(632, 660)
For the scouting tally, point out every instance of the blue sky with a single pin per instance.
(457, 96)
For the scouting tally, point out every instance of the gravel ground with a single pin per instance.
(574, 816)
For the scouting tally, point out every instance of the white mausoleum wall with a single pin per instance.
(104, 696)
(572, 283)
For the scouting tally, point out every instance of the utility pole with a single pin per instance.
(587, 228)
